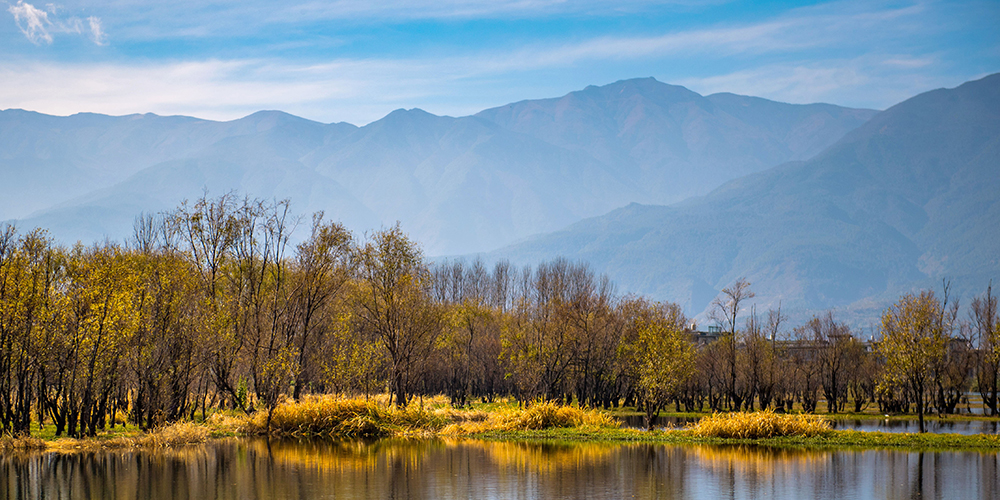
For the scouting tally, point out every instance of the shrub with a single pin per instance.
(759, 425)
(179, 434)
(541, 415)
(339, 417)
(24, 443)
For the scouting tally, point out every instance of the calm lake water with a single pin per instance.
(865, 424)
(253, 469)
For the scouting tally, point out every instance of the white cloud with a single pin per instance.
(802, 29)
(38, 28)
(785, 58)
(34, 23)
(349, 90)
(97, 34)
(866, 81)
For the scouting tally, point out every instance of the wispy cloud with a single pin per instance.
(351, 90)
(845, 53)
(451, 9)
(799, 30)
(38, 27)
(97, 34)
(34, 23)
(866, 81)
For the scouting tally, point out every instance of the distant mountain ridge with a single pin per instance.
(901, 202)
(647, 127)
(458, 185)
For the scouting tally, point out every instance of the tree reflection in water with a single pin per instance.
(256, 469)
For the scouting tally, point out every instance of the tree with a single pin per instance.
(665, 358)
(725, 310)
(834, 345)
(104, 294)
(758, 358)
(391, 301)
(163, 354)
(27, 275)
(912, 341)
(986, 336)
(207, 231)
(323, 267)
(726, 307)
(466, 325)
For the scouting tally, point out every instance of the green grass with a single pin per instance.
(872, 414)
(834, 440)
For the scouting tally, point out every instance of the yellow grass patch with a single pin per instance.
(174, 435)
(25, 443)
(339, 417)
(759, 425)
(541, 415)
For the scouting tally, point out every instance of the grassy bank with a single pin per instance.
(330, 417)
(170, 436)
(834, 440)
(762, 428)
(870, 414)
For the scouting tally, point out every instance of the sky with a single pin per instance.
(357, 60)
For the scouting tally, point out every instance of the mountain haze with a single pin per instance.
(647, 129)
(910, 197)
(458, 185)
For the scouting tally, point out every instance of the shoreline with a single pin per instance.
(201, 434)
(846, 439)
(332, 418)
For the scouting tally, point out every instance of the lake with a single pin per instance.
(872, 424)
(445, 469)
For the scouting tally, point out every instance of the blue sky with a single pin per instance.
(356, 60)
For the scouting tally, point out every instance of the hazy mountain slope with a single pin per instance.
(47, 160)
(457, 184)
(464, 184)
(247, 164)
(907, 198)
(673, 142)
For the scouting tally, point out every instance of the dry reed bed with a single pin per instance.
(329, 416)
(15, 444)
(171, 436)
(759, 425)
(540, 415)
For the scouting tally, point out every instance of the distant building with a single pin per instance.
(701, 338)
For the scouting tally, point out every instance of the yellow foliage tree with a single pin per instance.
(912, 341)
(665, 357)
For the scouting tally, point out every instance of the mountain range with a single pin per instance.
(457, 185)
(674, 195)
(908, 199)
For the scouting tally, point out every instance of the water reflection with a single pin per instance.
(659, 422)
(857, 424)
(936, 426)
(242, 469)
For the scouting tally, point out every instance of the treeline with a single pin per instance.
(210, 306)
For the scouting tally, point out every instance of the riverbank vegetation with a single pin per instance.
(334, 418)
(209, 310)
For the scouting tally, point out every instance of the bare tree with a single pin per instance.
(726, 307)
(725, 310)
(986, 337)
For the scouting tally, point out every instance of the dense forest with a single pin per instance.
(211, 306)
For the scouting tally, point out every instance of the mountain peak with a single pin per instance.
(903, 200)
(648, 87)
(269, 119)
(414, 117)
